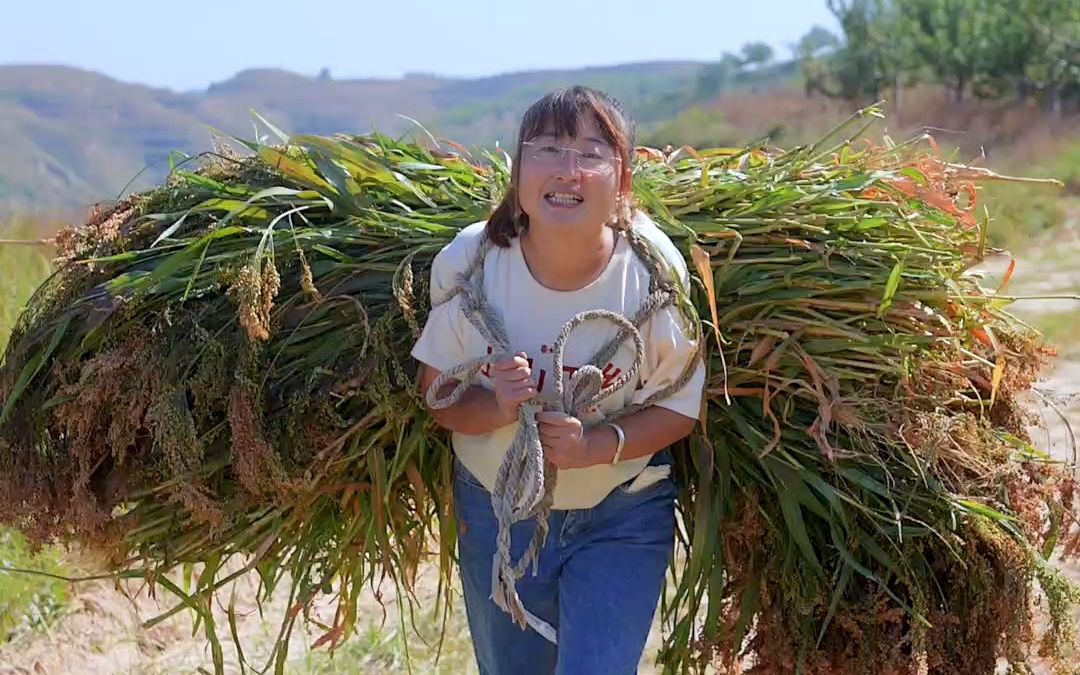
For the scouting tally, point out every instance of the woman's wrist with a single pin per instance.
(503, 416)
(645, 433)
(603, 442)
(477, 413)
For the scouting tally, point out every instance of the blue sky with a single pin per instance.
(193, 43)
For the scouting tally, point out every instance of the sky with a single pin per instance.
(191, 44)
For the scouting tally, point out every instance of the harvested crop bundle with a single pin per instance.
(220, 368)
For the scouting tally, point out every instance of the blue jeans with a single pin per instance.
(598, 581)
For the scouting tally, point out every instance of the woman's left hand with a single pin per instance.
(565, 441)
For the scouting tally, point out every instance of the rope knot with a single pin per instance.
(584, 386)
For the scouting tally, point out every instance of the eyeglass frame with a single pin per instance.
(609, 163)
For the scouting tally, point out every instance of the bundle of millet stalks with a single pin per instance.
(218, 370)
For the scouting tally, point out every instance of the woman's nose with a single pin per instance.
(568, 165)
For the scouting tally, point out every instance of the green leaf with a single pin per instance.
(34, 366)
(748, 606)
(336, 176)
(296, 169)
(846, 572)
(870, 224)
(233, 208)
(421, 166)
(796, 528)
(914, 174)
(168, 231)
(984, 511)
(856, 183)
(890, 288)
(234, 631)
(176, 261)
(282, 136)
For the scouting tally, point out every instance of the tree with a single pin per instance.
(756, 54)
(873, 50)
(816, 41)
(1005, 61)
(1056, 73)
(987, 48)
(714, 78)
(955, 40)
(809, 52)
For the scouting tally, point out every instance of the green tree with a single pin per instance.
(1055, 73)
(817, 40)
(1011, 50)
(714, 78)
(956, 41)
(756, 54)
(873, 52)
(985, 48)
(810, 52)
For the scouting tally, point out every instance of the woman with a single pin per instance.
(566, 239)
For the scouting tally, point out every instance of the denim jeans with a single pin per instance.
(598, 581)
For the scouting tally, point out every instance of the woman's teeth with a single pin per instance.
(563, 198)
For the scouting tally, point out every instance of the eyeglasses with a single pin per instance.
(597, 159)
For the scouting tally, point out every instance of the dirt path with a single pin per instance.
(102, 632)
(1054, 272)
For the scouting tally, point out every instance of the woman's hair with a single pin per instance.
(563, 110)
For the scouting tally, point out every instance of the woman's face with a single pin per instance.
(569, 183)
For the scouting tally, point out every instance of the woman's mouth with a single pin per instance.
(563, 200)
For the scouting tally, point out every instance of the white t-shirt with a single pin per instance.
(533, 316)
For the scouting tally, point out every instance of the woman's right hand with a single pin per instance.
(513, 384)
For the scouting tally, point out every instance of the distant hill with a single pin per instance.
(73, 137)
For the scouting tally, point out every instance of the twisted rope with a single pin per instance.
(525, 483)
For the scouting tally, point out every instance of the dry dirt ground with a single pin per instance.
(102, 632)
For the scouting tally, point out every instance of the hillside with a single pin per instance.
(72, 137)
(999, 129)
